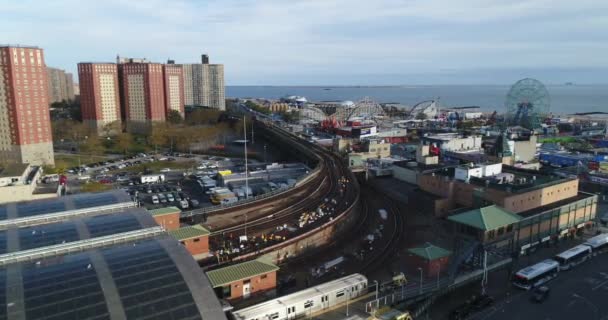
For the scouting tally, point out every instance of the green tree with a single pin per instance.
(174, 117)
(158, 135)
(112, 128)
(92, 146)
(93, 186)
(124, 141)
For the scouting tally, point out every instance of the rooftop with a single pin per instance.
(524, 180)
(36, 212)
(13, 170)
(155, 277)
(223, 276)
(80, 228)
(487, 218)
(189, 232)
(581, 198)
(163, 211)
(430, 252)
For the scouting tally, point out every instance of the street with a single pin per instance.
(580, 293)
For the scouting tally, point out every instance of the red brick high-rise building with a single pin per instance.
(25, 125)
(142, 92)
(99, 95)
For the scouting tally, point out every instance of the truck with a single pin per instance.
(218, 195)
(152, 178)
(224, 172)
(183, 204)
(229, 200)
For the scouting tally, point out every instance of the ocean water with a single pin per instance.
(564, 99)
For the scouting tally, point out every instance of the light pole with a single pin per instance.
(376, 282)
(265, 153)
(438, 273)
(420, 286)
(246, 217)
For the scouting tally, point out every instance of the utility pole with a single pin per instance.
(246, 165)
(484, 280)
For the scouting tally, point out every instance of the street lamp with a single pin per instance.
(438, 273)
(420, 290)
(265, 153)
(376, 283)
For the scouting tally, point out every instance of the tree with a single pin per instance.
(174, 117)
(112, 128)
(94, 186)
(158, 135)
(92, 146)
(124, 141)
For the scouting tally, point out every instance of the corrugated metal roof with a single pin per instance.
(430, 251)
(189, 232)
(223, 276)
(162, 211)
(487, 218)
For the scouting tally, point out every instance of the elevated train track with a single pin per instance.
(332, 186)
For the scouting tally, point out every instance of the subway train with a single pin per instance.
(308, 301)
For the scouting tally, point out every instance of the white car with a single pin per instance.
(155, 199)
(165, 170)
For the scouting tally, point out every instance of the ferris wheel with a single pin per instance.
(527, 103)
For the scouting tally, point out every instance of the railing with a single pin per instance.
(60, 216)
(78, 246)
(207, 210)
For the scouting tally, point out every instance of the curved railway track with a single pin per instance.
(334, 184)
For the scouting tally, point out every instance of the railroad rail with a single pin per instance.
(334, 186)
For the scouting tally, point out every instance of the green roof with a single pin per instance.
(488, 218)
(162, 211)
(430, 252)
(189, 232)
(245, 270)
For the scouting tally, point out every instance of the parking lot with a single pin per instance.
(183, 180)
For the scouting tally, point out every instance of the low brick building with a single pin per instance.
(431, 259)
(194, 238)
(239, 281)
(167, 218)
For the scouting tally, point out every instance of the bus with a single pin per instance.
(536, 275)
(573, 256)
(598, 244)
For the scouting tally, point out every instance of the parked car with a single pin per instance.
(154, 199)
(540, 294)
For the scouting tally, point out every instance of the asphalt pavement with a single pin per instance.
(580, 293)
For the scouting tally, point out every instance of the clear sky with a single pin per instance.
(325, 42)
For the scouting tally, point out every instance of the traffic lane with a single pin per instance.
(578, 293)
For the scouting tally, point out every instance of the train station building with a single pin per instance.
(96, 255)
(167, 217)
(430, 259)
(240, 281)
(195, 239)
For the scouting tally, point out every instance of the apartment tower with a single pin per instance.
(99, 95)
(204, 84)
(25, 126)
(61, 85)
(173, 81)
(142, 92)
